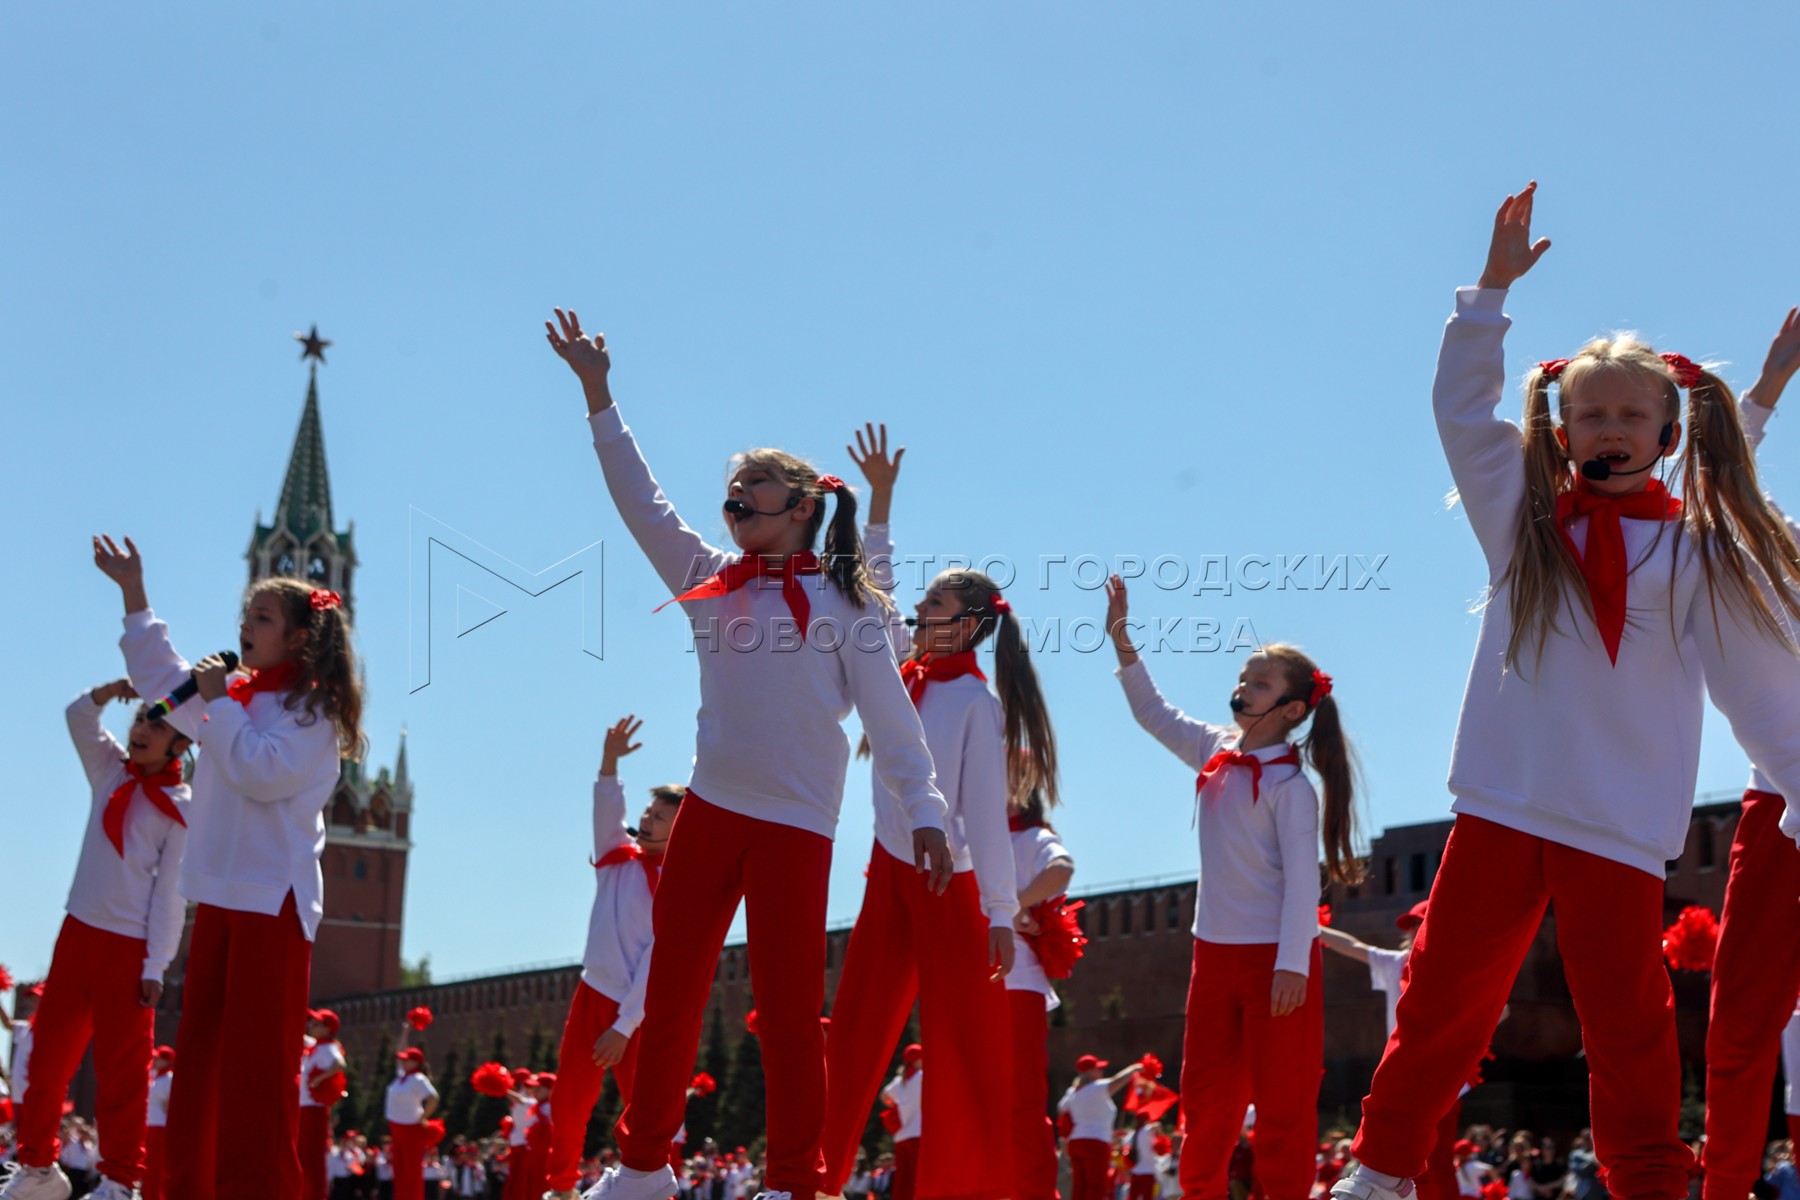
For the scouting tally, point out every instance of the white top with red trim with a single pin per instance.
(1386, 969)
(770, 742)
(1033, 850)
(1576, 749)
(965, 729)
(1259, 849)
(1143, 1150)
(524, 1115)
(134, 894)
(157, 1115)
(406, 1098)
(1091, 1110)
(1755, 419)
(322, 1058)
(616, 962)
(908, 1097)
(256, 827)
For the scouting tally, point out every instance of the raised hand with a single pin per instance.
(1511, 253)
(586, 355)
(118, 689)
(125, 568)
(1782, 361)
(1118, 613)
(619, 744)
(871, 455)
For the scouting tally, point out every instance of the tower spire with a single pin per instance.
(305, 505)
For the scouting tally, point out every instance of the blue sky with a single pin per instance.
(1148, 279)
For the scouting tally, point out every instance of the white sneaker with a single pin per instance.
(112, 1189)
(1358, 1186)
(567, 1194)
(774, 1196)
(34, 1183)
(616, 1185)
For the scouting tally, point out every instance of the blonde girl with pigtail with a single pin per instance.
(1255, 1006)
(1614, 610)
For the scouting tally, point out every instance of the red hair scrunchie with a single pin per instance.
(322, 599)
(1321, 688)
(1553, 368)
(1686, 370)
(829, 483)
(1000, 604)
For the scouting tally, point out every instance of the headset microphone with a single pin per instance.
(1238, 706)
(1599, 470)
(738, 508)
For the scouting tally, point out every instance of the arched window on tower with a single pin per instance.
(343, 811)
(381, 812)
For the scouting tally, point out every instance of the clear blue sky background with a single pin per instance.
(1126, 279)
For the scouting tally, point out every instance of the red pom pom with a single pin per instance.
(6, 979)
(1690, 943)
(491, 1079)
(1493, 1191)
(703, 1085)
(1059, 940)
(1325, 915)
(419, 1018)
(1160, 1144)
(1150, 1066)
(434, 1131)
(506, 1124)
(890, 1119)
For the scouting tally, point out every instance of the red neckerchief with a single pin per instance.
(1603, 563)
(907, 1071)
(918, 673)
(736, 574)
(1019, 822)
(628, 851)
(113, 819)
(275, 679)
(1240, 758)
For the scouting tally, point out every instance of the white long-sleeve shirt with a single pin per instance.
(770, 742)
(156, 1116)
(1755, 419)
(1033, 850)
(965, 730)
(1575, 748)
(908, 1097)
(1386, 970)
(1790, 1063)
(1091, 1110)
(133, 894)
(617, 960)
(256, 827)
(1259, 857)
(21, 1060)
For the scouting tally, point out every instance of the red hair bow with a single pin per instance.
(1553, 368)
(830, 483)
(1321, 688)
(1685, 370)
(322, 599)
(1000, 604)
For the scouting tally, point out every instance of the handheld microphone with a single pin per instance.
(1599, 471)
(185, 692)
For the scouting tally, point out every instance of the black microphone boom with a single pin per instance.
(185, 692)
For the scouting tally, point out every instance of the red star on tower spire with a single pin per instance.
(313, 346)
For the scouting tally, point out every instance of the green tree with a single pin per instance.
(703, 1111)
(416, 974)
(453, 1086)
(489, 1109)
(876, 1139)
(606, 1115)
(742, 1107)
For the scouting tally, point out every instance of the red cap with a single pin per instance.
(325, 1017)
(523, 1078)
(1463, 1146)
(1088, 1062)
(411, 1054)
(546, 1079)
(913, 1054)
(1412, 918)
(167, 1052)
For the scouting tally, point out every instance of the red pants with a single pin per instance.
(906, 1170)
(1439, 1181)
(1793, 1125)
(155, 1150)
(1486, 906)
(315, 1132)
(715, 859)
(907, 944)
(535, 1169)
(518, 1173)
(234, 1111)
(578, 1082)
(1090, 1168)
(410, 1142)
(1033, 1134)
(1756, 975)
(91, 994)
(1234, 1053)
(1143, 1187)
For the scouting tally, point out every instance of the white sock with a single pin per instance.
(1390, 1182)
